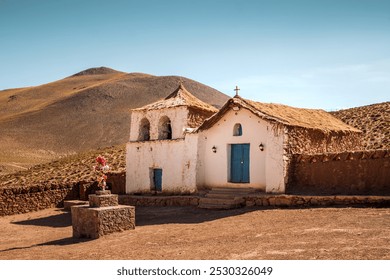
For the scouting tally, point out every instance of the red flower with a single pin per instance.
(101, 160)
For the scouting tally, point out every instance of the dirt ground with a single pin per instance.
(191, 233)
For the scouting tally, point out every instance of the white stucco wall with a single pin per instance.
(177, 115)
(275, 169)
(176, 158)
(266, 167)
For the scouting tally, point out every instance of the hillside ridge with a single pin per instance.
(96, 71)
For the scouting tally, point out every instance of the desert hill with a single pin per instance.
(85, 111)
(373, 120)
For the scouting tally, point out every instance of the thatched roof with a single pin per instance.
(180, 97)
(283, 114)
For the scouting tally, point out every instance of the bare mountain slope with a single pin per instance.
(373, 120)
(85, 111)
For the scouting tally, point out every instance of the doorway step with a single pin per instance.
(225, 198)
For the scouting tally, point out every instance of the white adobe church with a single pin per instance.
(181, 144)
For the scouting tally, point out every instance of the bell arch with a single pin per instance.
(164, 128)
(144, 130)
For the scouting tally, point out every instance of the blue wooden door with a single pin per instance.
(239, 165)
(157, 179)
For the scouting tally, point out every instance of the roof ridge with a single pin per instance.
(284, 114)
(177, 92)
(179, 97)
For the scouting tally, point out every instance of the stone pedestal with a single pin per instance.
(102, 216)
(103, 200)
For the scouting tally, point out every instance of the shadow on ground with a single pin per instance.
(59, 242)
(63, 219)
(183, 215)
(149, 216)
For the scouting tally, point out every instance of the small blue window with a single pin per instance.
(157, 179)
(237, 130)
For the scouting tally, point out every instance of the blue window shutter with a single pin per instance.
(157, 178)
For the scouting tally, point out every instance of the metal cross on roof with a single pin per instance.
(236, 90)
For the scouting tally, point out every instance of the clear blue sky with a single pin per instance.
(307, 53)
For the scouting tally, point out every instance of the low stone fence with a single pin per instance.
(136, 200)
(18, 200)
(23, 200)
(264, 200)
(348, 173)
(317, 201)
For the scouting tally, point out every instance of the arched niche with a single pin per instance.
(237, 129)
(144, 130)
(164, 128)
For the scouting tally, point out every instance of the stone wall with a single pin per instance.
(87, 188)
(17, 200)
(348, 173)
(136, 200)
(310, 141)
(302, 201)
(116, 181)
(266, 201)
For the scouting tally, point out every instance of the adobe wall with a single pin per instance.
(309, 141)
(18, 200)
(348, 173)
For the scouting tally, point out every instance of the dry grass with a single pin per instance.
(306, 118)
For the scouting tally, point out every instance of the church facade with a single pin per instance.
(182, 145)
